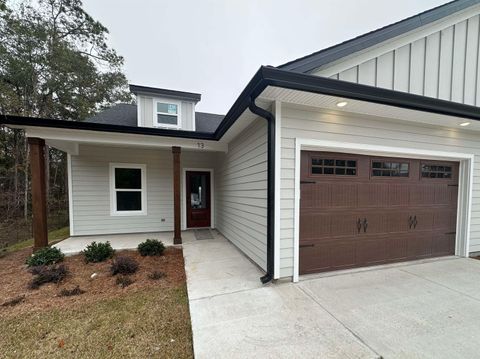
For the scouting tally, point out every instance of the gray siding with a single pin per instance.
(91, 188)
(146, 112)
(443, 65)
(309, 124)
(241, 192)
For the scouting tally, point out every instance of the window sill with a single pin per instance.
(128, 213)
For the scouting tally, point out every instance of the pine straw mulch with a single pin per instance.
(14, 279)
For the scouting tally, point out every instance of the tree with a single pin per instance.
(55, 62)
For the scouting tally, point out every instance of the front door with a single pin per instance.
(198, 199)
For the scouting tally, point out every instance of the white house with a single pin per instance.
(360, 154)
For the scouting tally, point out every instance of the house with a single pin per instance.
(361, 154)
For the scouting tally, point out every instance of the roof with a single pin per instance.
(178, 95)
(265, 77)
(317, 59)
(124, 114)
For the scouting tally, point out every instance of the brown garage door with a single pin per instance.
(361, 210)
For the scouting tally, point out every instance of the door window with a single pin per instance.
(198, 191)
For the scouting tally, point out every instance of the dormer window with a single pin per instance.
(167, 114)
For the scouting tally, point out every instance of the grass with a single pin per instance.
(53, 237)
(146, 324)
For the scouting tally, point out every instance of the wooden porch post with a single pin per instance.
(177, 236)
(39, 194)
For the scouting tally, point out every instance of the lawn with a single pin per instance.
(54, 236)
(147, 319)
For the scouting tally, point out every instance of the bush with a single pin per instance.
(98, 252)
(47, 274)
(45, 256)
(124, 281)
(124, 265)
(157, 275)
(151, 247)
(71, 292)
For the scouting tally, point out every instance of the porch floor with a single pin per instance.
(74, 245)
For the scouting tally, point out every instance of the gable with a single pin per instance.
(439, 60)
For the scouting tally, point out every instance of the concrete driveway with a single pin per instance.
(427, 310)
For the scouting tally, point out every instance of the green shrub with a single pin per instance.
(151, 247)
(124, 265)
(98, 252)
(45, 256)
(47, 274)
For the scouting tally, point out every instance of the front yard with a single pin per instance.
(148, 318)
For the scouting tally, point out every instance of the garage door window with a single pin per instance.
(436, 171)
(338, 167)
(390, 169)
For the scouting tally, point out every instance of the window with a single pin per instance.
(167, 114)
(436, 171)
(128, 189)
(322, 166)
(390, 169)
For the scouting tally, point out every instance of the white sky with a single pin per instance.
(214, 47)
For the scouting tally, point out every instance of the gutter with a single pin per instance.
(270, 187)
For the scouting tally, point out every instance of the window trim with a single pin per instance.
(113, 190)
(155, 113)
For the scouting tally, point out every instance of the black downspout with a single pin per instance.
(270, 187)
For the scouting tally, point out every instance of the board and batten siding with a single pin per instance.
(443, 64)
(91, 188)
(146, 107)
(241, 192)
(349, 128)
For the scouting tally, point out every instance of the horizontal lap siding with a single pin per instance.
(359, 129)
(91, 188)
(241, 192)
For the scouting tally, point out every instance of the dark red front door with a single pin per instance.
(198, 199)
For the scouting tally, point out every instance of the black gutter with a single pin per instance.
(270, 187)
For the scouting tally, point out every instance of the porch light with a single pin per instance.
(465, 124)
(342, 104)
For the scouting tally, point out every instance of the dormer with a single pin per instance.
(163, 108)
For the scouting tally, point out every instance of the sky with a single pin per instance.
(214, 47)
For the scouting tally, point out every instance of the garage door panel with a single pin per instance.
(374, 210)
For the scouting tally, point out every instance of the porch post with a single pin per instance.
(39, 192)
(177, 236)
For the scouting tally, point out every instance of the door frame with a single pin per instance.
(465, 183)
(184, 194)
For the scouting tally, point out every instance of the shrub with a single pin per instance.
(124, 281)
(45, 256)
(98, 252)
(156, 275)
(151, 247)
(47, 274)
(71, 292)
(124, 265)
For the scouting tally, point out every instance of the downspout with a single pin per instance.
(270, 187)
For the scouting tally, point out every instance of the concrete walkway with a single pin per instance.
(421, 310)
(74, 245)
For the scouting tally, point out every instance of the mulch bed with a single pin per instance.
(14, 279)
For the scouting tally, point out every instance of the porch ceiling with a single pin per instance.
(386, 112)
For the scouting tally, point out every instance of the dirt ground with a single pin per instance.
(147, 319)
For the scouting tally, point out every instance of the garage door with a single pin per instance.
(361, 210)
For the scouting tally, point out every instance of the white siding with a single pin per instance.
(91, 188)
(442, 64)
(309, 124)
(241, 192)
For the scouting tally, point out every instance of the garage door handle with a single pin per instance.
(410, 222)
(365, 225)
(359, 225)
(415, 222)
(306, 245)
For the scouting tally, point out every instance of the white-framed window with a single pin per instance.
(167, 113)
(128, 189)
